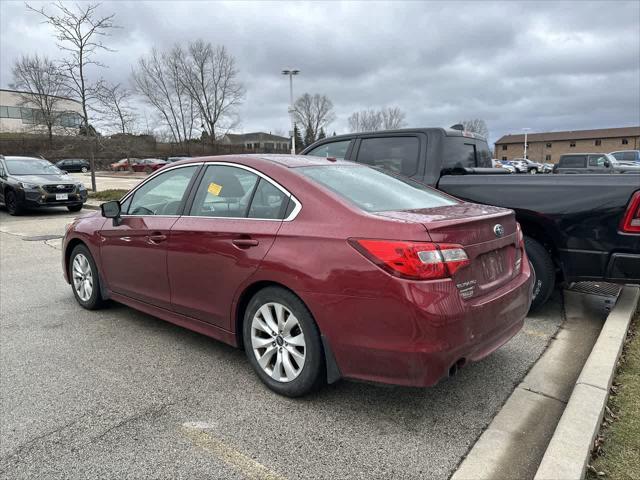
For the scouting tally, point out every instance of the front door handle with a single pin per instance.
(245, 242)
(157, 238)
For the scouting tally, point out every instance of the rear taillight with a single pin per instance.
(631, 220)
(414, 260)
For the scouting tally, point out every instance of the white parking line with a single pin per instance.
(195, 431)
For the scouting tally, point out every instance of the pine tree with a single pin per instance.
(309, 137)
(321, 135)
(298, 136)
(334, 134)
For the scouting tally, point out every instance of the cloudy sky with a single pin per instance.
(542, 65)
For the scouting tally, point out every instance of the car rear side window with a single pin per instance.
(224, 191)
(268, 201)
(333, 149)
(374, 190)
(573, 161)
(596, 160)
(396, 154)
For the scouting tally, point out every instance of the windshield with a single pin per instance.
(375, 190)
(31, 166)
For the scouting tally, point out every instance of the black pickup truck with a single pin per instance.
(577, 227)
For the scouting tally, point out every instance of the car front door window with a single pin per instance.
(163, 194)
(224, 191)
(396, 154)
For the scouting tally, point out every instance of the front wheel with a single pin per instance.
(11, 201)
(533, 171)
(85, 281)
(282, 342)
(544, 269)
(84, 169)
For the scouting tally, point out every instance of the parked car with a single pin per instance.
(122, 165)
(574, 225)
(176, 159)
(575, 163)
(74, 165)
(148, 165)
(547, 167)
(503, 165)
(404, 284)
(28, 182)
(524, 165)
(631, 157)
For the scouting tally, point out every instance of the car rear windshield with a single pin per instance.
(374, 190)
(31, 166)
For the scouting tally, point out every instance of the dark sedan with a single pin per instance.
(27, 182)
(320, 269)
(74, 165)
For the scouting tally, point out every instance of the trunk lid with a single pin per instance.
(488, 235)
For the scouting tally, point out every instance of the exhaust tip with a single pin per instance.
(453, 370)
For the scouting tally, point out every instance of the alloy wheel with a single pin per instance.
(278, 342)
(82, 277)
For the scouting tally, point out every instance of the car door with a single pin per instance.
(219, 243)
(134, 250)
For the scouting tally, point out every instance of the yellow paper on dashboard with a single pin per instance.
(214, 189)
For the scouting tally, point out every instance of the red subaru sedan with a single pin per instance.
(320, 269)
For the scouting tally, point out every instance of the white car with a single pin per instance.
(495, 163)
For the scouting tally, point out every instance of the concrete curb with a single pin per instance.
(515, 441)
(568, 452)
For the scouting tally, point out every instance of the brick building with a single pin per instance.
(547, 147)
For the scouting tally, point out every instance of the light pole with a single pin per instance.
(291, 72)
(525, 141)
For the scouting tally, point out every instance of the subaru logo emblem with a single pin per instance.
(60, 187)
(498, 230)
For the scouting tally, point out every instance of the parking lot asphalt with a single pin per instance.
(120, 394)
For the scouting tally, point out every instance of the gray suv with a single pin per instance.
(28, 182)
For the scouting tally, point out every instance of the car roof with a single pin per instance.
(20, 157)
(289, 161)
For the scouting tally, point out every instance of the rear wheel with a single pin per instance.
(84, 169)
(85, 281)
(545, 272)
(148, 170)
(282, 342)
(533, 171)
(11, 201)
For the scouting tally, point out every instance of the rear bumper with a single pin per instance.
(414, 339)
(584, 265)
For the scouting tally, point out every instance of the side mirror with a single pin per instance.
(111, 210)
(607, 164)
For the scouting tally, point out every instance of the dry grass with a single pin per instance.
(106, 195)
(617, 449)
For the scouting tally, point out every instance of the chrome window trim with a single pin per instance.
(294, 213)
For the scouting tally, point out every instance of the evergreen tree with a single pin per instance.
(309, 137)
(334, 134)
(321, 135)
(298, 137)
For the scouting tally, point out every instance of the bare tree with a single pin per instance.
(43, 83)
(313, 112)
(211, 79)
(371, 120)
(392, 118)
(114, 104)
(158, 80)
(365, 121)
(80, 32)
(476, 125)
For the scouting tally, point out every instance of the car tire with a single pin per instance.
(273, 347)
(13, 205)
(544, 269)
(74, 208)
(533, 171)
(84, 169)
(81, 263)
(148, 170)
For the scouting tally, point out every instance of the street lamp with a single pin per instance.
(291, 72)
(525, 130)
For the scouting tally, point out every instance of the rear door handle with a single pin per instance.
(245, 242)
(157, 238)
